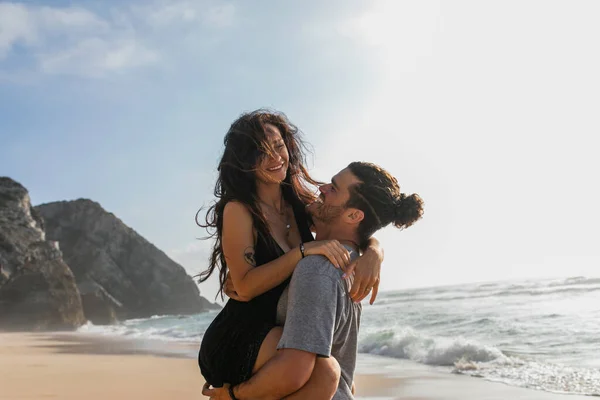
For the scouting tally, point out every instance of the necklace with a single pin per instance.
(282, 214)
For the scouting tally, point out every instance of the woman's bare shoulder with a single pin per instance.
(237, 211)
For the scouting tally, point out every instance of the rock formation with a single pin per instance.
(64, 262)
(37, 288)
(100, 307)
(118, 271)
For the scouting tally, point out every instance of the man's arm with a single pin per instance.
(282, 375)
(308, 331)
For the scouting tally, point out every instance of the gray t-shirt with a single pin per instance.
(319, 317)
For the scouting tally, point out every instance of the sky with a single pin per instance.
(487, 110)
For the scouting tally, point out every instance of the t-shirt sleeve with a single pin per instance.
(312, 309)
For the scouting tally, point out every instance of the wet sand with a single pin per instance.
(80, 366)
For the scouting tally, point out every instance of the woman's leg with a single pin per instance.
(323, 381)
(268, 348)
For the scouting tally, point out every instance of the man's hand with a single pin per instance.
(366, 270)
(221, 393)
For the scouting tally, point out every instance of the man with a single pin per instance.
(320, 318)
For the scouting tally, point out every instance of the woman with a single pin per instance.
(261, 231)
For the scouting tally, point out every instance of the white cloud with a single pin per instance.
(59, 19)
(32, 26)
(399, 33)
(77, 41)
(168, 13)
(16, 26)
(220, 16)
(94, 57)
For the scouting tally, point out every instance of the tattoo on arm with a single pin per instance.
(249, 256)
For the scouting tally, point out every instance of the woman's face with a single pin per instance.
(272, 167)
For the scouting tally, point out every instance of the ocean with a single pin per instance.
(537, 334)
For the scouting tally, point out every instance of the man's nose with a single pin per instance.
(324, 188)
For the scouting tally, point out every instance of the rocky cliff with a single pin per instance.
(117, 270)
(37, 288)
(62, 263)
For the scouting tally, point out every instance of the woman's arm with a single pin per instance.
(238, 249)
(366, 272)
(374, 246)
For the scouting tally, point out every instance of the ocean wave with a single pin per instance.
(576, 280)
(410, 344)
(549, 377)
(468, 357)
(139, 329)
(589, 286)
(492, 289)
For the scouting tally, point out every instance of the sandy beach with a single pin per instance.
(77, 366)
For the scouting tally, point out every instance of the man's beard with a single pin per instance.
(323, 213)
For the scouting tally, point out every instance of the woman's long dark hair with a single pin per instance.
(245, 146)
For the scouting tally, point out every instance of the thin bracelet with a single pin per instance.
(232, 394)
(302, 249)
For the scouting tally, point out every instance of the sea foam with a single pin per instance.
(407, 343)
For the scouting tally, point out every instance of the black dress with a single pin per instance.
(232, 341)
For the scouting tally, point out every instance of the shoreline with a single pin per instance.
(71, 365)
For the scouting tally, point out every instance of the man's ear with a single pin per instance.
(355, 215)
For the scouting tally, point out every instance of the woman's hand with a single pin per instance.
(366, 270)
(332, 249)
(221, 393)
(230, 292)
